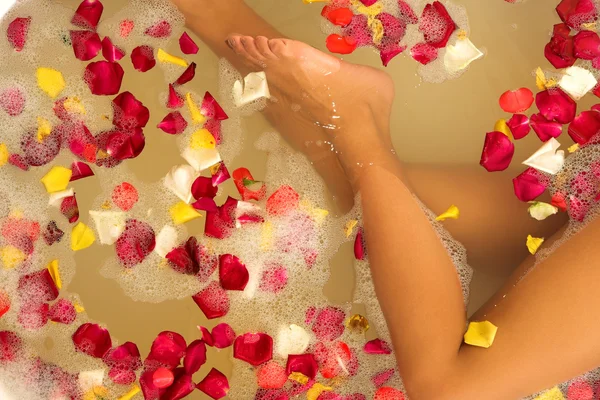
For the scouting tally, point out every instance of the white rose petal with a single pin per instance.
(254, 87)
(166, 240)
(179, 181)
(90, 379)
(56, 198)
(547, 158)
(540, 210)
(202, 158)
(460, 55)
(577, 82)
(292, 340)
(109, 225)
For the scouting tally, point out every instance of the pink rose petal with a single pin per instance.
(187, 75)
(555, 105)
(498, 151)
(436, 24)
(254, 348)
(545, 129)
(126, 27)
(220, 224)
(92, 340)
(578, 208)
(233, 274)
(529, 185)
(19, 161)
(580, 390)
(368, 3)
(221, 175)
(187, 44)
(406, 13)
(122, 376)
(519, 126)
(303, 363)
(274, 279)
(360, 248)
(104, 78)
(212, 300)
(161, 29)
(175, 100)
(125, 196)
(173, 123)
(382, 377)
(142, 58)
(88, 14)
(223, 336)
(86, 44)
(587, 45)
(359, 31)
(329, 323)
(111, 52)
(215, 385)
(17, 31)
(195, 357)
(10, 346)
(33, 315)
(585, 127)
(575, 13)
(39, 153)
(560, 50)
(424, 53)
(135, 243)
(211, 109)
(39, 286)
(129, 113)
(393, 28)
(377, 346)
(12, 101)
(167, 350)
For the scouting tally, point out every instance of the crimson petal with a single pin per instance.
(220, 175)
(180, 388)
(70, 209)
(104, 78)
(203, 187)
(187, 44)
(274, 279)
(205, 204)
(359, 31)
(211, 108)
(17, 31)
(86, 44)
(128, 112)
(80, 170)
(142, 58)
(223, 336)
(303, 363)
(111, 52)
(195, 357)
(545, 129)
(187, 75)
(19, 161)
(52, 234)
(161, 29)
(193, 259)
(122, 146)
(406, 13)
(135, 243)
(92, 340)
(558, 200)
(206, 336)
(393, 28)
(125, 356)
(329, 323)
(377, 346)
(40, 153)
(212, 300)
(122, 376)
(585, 126)
(424, 53)
(173, 123)
(529, 185)
(215, 385)
(167, 349)
(88, 14)
(360, 248)
(233, 274)
(10, 346)
(587, 45)
(149, 389)
(519, 126)
(555, 105)
(220, 224)
(254, 348)
(389, 52)
(436, 24)
(498, 151)
(560, 50)
(175, 100)
(39, 286)
(12, 101)
(382, 377)
(576, 13)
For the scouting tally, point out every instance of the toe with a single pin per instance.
(278, 47)
(250, 46)
(236, 45)
(262, 44)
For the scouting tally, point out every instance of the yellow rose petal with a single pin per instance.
(299, 377)
(574, 148)
(55, 273)
(350, 227)
(135, 389)
(266, 236)
(57, 179)
(44, 128)
(371, 11)
(197, 117)
(183, 212)
(540, 79)
(74, 105)
(452, 213)
(315, 391)
(11, 257)
(82, 237)
(3, 154)
(377, 29)
(96, 393)
(533, 243)
(202, 139)
(78, 308)
(357, 323)
(480, 334)
(552, 394)
(501, 126)
(50, 81)
(165, 57)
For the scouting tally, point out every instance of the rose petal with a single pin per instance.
(529, 185)
(195, 357)
(580, 390)
(359, 31)
(560, 50)
(111, 52)
(223, 336)
(69, 209)
(187, 44)
(88, 14)
(547, 158)
(92, 340)
(82, 237)
(187, 75)
(205, 204)
(340, 16)
(80, 170)
(377, 346)
(182, 213)
(274, 394)
(206, 336)
(303, 363)
(167, 349)
(540, 210)
(211, 109)
(545, 129)
(33, 315)
(558, 200)
(203, 187)
(167, 58)
(126, 27)
(212, 300)
(382, 377)
(142, 58)
(220, 224)
(125, 196)
(161, 29)
(125, 356)
(360, 247)
(129, 113)
(182, 387)
(271, 375)
(389, 52)
(519, 126)
(109, 225)
(50, 81)
(219, 174)
(179, 181)
(135, 243)
(292, 339)
(460, 55)
(17, 31)
(388, 393)
(585, 127)
(12, 101)
(104, 78)
(173, 123)
(424, 53)
(274, 279)
(86, 44)
(10, 346)
(233, 274)
(193, 259)
(248, 188)
(587, 45)
(39, 286)
(215, 385)
(329, 323)
(577, 82)
(175, 100)
(436, 24)
(340, 44)
(516, 101)
(254, 348)
(578, 209)
(282, 201)
(4, 303)
(576, 13)
(52, 234)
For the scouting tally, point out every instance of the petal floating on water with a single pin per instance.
(215, 385)
(585, 127)
(519, 126)
(182, 213)
(254, 87)
(17, 31)
(377, 346)
(142, 58)
(424, 53)
(50, 81)
(167, 58)
(540, 210)
(480, 334)
(86, 44)
(109, 225)
(161, 29)
(104, 78)
(80, 170)
(529, 185)
(555, 105)
(211, 109)
(219, 173)
(12, 101)
(62, 312)
(213, 301)
(452, 213)
(544, 128)
(560, 50)
(460, 55)
(57, 179)
(195, 356)
(223, 336)
(436, 24)
(340, 44)
(92, 340)
(173, 123)
(111, 52)
(302, 363)
(125, 195)
(548, 158)
(577, 82)
(88, 14)
(128, 112)
(82, 237)
(516, 101)
(254, 348)
(533, 244)
(174, 99)
(233, 274)
(179, 181)
(292, 339)
(360, 248)
(187, 75)
(282, 201)
(135, 243)
(166, 240)
(168, 349)
(577, 13)
(187, 44)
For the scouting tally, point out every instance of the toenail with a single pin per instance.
(229, 44)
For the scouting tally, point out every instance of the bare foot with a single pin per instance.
(337, 104)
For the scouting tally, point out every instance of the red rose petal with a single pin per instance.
(585, 126)
(104, 78)
(340, 44)
(150, 390)
(125, 196)
(578, 208)
(436, 24)
(516, 101)
(254, 348)
(135, 243)
(206, 336)
(167, 349)
(359, 31)
(182, 387)
(271, 375)
(18, 161)
(88, 14)
(560, 50)
(12, 101)
(162, 378)
(587, 45)
(215, 385)
(545, 129)
(38, 153)
(393, 28)
(193, 259)
(111, 52)
(220, 175)
(187, 75)
(205, 204)
(175, 100)
(558, 200)
(498, 151)
(10, 346)
(161, 29)
(92, 340)
(122, 376)
(214, 127)
(575, 13)
(195, 357)
(303, 363)
(4, 303)
(128, 112)
(529, 185)
(203, 187)
(21, 233)
(274, 279)
(33, 315)
(223, 336)
(555, 105)
(360, 247)
(388, 393)
(38, 286)
(390, 52)
(424, 53)
(340, 16)
(173, 123)
(248, 188)
(336, 359)
(86, 44)
(220, 224)
(382, 377)
(283, 200)
(377, 346)
(519, 126)
(368, 3)
(121, 146)
(580, 390)
(329, 323)
(126, 27)
(80, 170)
(69, 208)
(406, 13)
(233, 275)
(142, 58)
(125, 356)
(187, 44)
(211, 109)
(213, 301)
(17, 31)
(52, 234)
